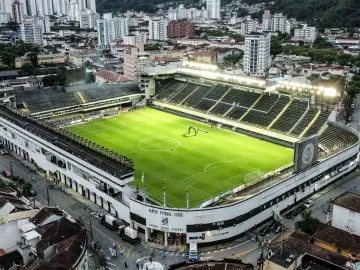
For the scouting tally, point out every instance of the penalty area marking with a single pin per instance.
(157, 150)
(226, 161)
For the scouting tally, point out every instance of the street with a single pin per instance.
(248, 251)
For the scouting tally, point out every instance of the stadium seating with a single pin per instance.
(196, 97)
(43, 99)
(300, 127)
(289, 118)
(318, 124)
(221, 108)
(217, 92)
(205, 104)
(184, 93)
(265, 117)
(335, 138)
(266, 102)
(243, 98)
(97, 94)
(171, 89)
(237, 113)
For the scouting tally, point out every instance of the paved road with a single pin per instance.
(100, 233)
(356, 114)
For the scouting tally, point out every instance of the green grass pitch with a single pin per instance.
(158, 143)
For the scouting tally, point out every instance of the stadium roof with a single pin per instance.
(97, 159)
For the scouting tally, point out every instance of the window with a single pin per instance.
(352, 213)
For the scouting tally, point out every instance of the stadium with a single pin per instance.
(169, 155)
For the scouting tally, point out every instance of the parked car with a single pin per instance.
(97, 215)
(6, 173)
(3, 152)
(308, 203)
(32, 192)
(265, 231)
(279, 228)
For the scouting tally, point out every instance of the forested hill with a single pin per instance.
(322, 13)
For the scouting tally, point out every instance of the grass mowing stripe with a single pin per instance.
(189, 160)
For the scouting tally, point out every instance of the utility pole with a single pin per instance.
(11, 169)
(47, 195)
(187, 193)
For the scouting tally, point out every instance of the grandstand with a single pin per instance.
(50, 100)
(335, 138)
(97, 156)
(277, 112)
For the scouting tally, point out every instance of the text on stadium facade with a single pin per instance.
(163, 213)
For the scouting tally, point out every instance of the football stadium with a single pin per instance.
(187, 154)
(163, 148)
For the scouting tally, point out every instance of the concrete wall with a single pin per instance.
(345, 219)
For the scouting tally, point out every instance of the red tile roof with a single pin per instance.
(112, 76)
(44, 213)
(348, 200)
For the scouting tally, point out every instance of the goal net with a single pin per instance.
(253, 177)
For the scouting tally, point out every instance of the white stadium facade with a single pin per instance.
(90, 170)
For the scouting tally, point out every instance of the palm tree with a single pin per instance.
(307, 224)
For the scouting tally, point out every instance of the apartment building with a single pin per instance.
(109, 29)
(180, 29)
(158, 29)
(135, 59)
(257, 59)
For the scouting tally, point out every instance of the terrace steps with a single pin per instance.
(280, 114)
(189, 95)
(300, 119)
(252, 106)
(229, 110)
(310, 124)
(219, 100)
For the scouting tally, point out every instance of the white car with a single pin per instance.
(309, 203)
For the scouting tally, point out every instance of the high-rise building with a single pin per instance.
(111, 29)
(60, 7)
(248, 26)
(135, 59)
(158, 29)
(31, 32)
(88, 19)
(305, 33)
(280, 23)
(266, 21)
(31, 7)
(18, 12)
(91, 4)
(257, 60)
(214, 7)
(4, 17)
(181, 12)
(74, 11)
(181, 28)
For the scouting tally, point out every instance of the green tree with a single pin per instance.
(26, 187)
(50, 80)
(34, 59)
(320, 42)
(234, 58)
(275, 46)
(27, 69)
(307, 224)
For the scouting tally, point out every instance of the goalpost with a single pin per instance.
(253, 177)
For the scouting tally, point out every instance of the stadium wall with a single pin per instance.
(200, 225)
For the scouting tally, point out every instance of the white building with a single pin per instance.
(60, 7)
(74, 11)
(4, 17)
(280, 23)
(88, 19)
(158, 29)
(111, 29)
(31, 32)
(257, 58)
(43, 21)
(248, 26)
(6, 5)
(135, 59)
(214, 7)
(266, 21)
(44, 7)
(18, 12)
(305, 33)
(346, 213)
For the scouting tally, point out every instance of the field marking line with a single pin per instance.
(225, 161)
(197, 189)
(249, 171)
(214, 167)
(104, 129)
(166, 140)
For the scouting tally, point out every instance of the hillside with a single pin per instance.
(322, 13)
